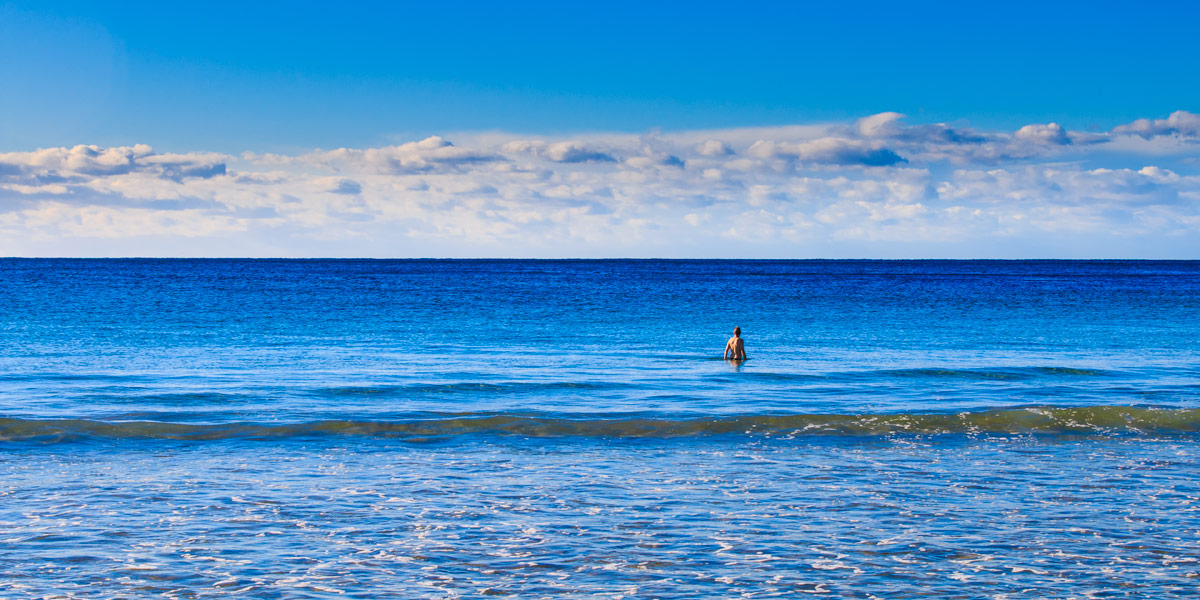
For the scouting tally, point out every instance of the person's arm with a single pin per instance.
(728, 350)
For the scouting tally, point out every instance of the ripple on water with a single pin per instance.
(577, 518)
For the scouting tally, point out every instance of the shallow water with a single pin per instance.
(294, 429)
(672, 519)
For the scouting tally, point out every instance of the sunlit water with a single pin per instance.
(409, 429)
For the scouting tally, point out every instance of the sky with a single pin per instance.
(619, 129)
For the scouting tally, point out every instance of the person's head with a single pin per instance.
(737, 332)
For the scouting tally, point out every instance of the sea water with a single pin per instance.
(416, 429)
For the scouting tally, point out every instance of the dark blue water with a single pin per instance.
(288, 429)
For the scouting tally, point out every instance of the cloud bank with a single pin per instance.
(875, 187)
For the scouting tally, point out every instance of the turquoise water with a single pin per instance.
(410, 429)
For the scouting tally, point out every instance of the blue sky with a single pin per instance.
(234, 76)
(611, 129)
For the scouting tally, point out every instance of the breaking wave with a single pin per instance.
(1038, 420)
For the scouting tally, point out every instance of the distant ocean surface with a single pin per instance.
(568, 429)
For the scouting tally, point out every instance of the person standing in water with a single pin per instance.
(735, 348)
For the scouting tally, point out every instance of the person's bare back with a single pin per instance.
(735, 348)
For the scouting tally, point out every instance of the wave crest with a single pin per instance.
(1045, 420)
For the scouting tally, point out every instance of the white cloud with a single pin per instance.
(94, 161)
(337, 185)
(828, 150)
(1050, 133)
(885, 124)
(574, 152)
(874, 187)
(1181, 123)
(430, 154)
(711, 147)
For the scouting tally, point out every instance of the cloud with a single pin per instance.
(884, 124)
(1180, 123)
(890, 125)
(1051, 134)
(829, 150)
(574, 152)
(711, 147)
(430, 154)
(337, 185)
(84, 162)
(876, 186)
(568, 151)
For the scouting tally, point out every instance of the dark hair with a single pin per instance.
(737, 331)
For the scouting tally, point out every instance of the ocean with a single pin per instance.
(568, 429)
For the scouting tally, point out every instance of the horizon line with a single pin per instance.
(585, 259)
